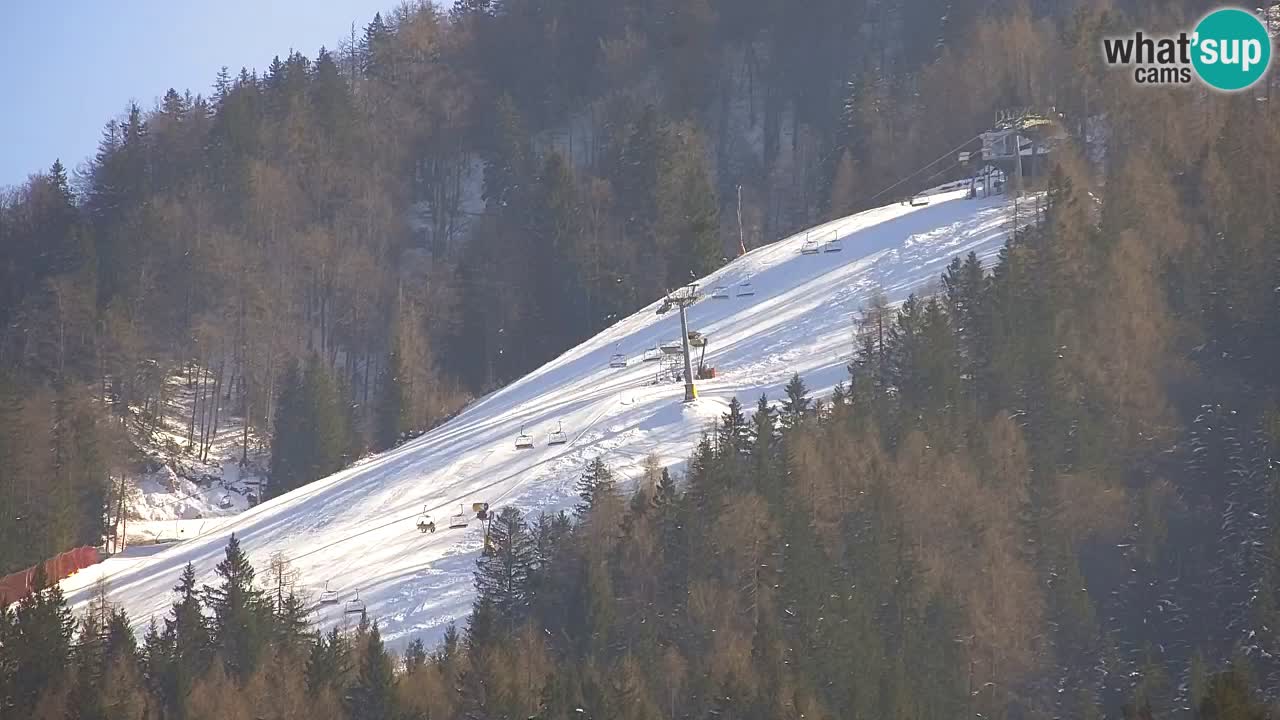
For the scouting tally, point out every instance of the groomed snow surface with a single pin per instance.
(355, 530)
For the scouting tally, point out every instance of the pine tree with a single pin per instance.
(241, 616)
(903, 349)
(733, 435)
(688, 212)
(393, 406)
(596, 483)
(327, 663)
(313, 435)
(508, 167)
(291, 624)
(415, 656)
(178, 655)
(372, 692)
(289, 444)
(965, 294)
(333, 442)
(667, 494)
(557, 283)
(796, 404)
(504, 571)
(375, 48)
(39, 646)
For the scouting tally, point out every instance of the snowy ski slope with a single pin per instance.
(355, 530)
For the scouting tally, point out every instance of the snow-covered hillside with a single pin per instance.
(355, 531)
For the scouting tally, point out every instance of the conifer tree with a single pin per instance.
(688, 212)
(372, 692)
(733, 435)
(508, 168)
(241, 615)
(393, 406)
(667, 493)
(504, 571)
(415, 656)
(39, 643)
(596, 483)
(313, 436)
(177, 655)
(289, 443)
(796, 405)
(327, 663)
(292, 630)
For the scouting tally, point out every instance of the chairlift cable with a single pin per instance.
(925, 167)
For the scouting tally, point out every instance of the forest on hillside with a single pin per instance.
(1048, 489)
(375, 234)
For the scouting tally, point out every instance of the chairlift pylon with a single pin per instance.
(524, 441)
(558, 437)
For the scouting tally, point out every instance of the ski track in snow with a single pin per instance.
(356, 529)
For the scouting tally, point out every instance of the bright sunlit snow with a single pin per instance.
(356, 530)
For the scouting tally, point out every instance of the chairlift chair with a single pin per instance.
(720, 293)
(652, 355)
(524, 441)
(746, 289)
(425, 523)
(919, 200)
(354, 606)
(832, 245)
(481, 509)
(618, 361)
(327, 596)
(459, 521)
(810, 247)
(672, 348)
(558, 437)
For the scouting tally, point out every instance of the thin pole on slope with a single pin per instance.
(742, 245)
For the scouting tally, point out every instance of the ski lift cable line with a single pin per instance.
(940, 158)
(445, 504)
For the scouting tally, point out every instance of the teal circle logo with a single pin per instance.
(1231, 49)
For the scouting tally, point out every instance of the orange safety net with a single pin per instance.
(16, 586)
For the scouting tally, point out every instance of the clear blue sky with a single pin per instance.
(72, 65)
